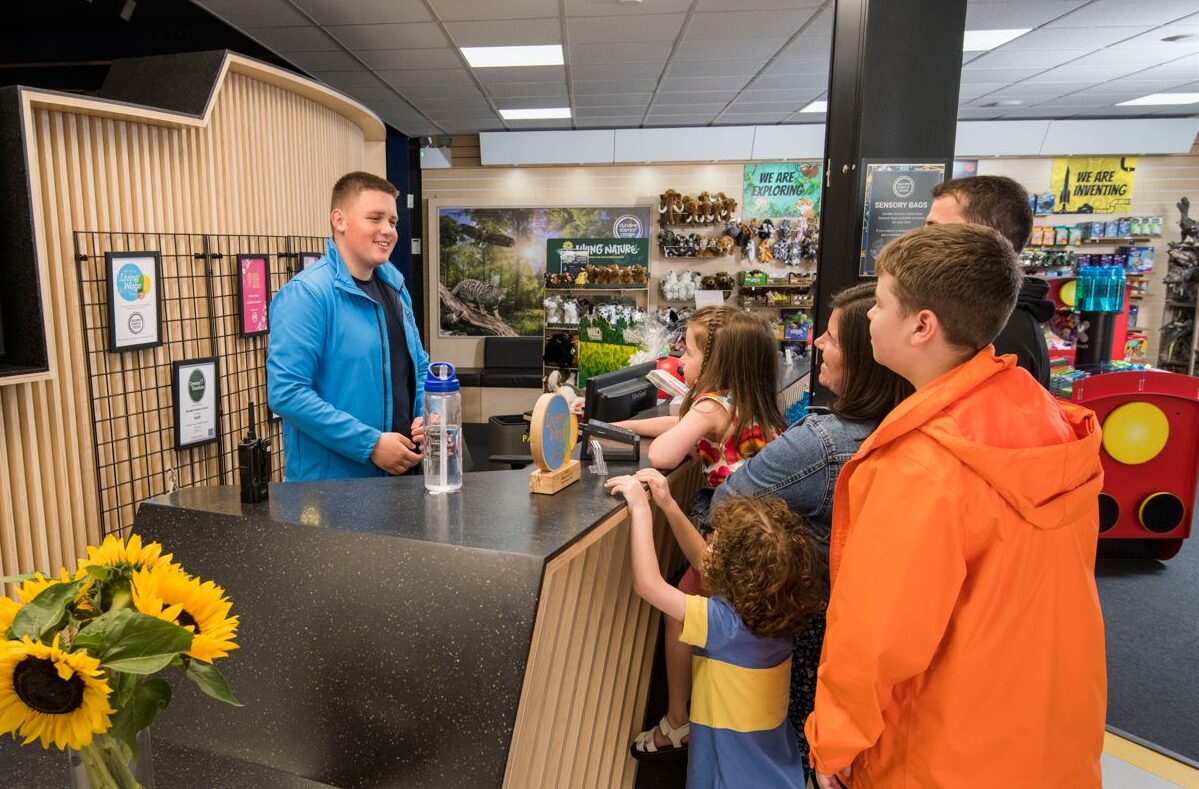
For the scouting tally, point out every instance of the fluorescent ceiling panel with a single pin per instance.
(982, 40)
(499, 57)
(1161, 99)
(816, 106)
(535, 113)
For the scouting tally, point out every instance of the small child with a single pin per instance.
(760, 567)
(728, 415)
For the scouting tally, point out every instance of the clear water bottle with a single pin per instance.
(443, 429)
(1084, 288)
(1116, 292)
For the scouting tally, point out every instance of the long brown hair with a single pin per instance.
(868, 390)
(740, 360)
(763, 561)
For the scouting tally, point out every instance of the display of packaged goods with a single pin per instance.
(1075, 235)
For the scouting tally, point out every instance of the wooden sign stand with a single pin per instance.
(552, 433)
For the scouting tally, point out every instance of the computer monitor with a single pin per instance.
(611, 397)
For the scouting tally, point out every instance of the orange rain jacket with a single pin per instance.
(965, 642)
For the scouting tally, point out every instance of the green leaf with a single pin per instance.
(210, 680)
(46, 613)
(139, 710)
(99, 572)
(16, 579)
(132, 642)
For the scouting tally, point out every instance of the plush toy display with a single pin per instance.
(679, 285)
(553, 310)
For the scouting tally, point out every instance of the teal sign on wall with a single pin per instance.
(789, 189)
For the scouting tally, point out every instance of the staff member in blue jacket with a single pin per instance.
(345, 365)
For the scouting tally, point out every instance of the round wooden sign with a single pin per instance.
(552, 432)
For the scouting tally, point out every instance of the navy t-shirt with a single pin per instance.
(402, 383)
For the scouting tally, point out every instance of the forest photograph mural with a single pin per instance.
(492, 262)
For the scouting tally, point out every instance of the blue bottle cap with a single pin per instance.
(441, 377)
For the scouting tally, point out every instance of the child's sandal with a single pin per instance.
(644, 747)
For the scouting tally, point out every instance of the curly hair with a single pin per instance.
(761, 559)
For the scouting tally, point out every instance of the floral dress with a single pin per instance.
(721, 460)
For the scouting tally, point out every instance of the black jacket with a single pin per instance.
(1023, 334)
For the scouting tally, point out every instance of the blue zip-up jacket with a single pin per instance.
(329, 369)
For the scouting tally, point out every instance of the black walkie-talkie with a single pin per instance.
(254, 462)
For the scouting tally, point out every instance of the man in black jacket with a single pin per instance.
(1001, 203)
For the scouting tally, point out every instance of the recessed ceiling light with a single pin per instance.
(982, 40)
(1162, 98)
(535, 114)
(1004, 103)
(498, 57)
(1180, 39)
(816, 106)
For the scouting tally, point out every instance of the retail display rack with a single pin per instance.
(1178, 348)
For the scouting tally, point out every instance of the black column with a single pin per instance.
(893, 93)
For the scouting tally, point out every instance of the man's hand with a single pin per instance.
(834, 781)
(394, 453)
(418, 430)
(659, 488)
(630, 488)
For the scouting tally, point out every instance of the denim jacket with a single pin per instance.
(801, 467)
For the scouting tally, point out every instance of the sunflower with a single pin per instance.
(50, 695)
(169, 593)
(117, 553)
(8, 612)
(39, 583)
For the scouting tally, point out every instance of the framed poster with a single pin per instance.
(787, 189)
(308, 259)
(897, 198)
(134, 300)
(195, 388)
(253, 293)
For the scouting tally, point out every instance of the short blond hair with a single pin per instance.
(967, 275)
(350, 185)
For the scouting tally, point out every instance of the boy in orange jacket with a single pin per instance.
(965, 642)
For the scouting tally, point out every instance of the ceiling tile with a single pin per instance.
(614, 122)
(754, 25)
(1128, 56)
(757, 5)
(550, 123)
(765, 82)
(268, 13)
(810, 45)
(1184, 68)
(1082, 73)
(678, 120)
(482, 10)
(696, 97)
(399, 59)
(609, 86)
(433, 91)
(1039, 91)
(616, 71)
(662, 108)
(782, 66)
(717, 68)
(750, 118)
(782, 96)
(478, 106)
(357, 78)
(1071, 38)
(516, 90)
(615, 100)
(457, 77)
(648, 27)
(978, 115)
(766, 107)
(703, 83)
(424, 35)
(324, 61)
(307, 38)
(1118, 13)
(690, 50)
(1024, 58)
(967, 91)
(497, 76)
(505, 32)
(1005, 75)
(600, 112)
(373, 93)
(1153, 39)
(592, 8)
(627, 52)
(359, 12)
(1006, 16)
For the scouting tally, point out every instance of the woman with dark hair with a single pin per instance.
(802, 464)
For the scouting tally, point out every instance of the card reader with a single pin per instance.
(609, 432)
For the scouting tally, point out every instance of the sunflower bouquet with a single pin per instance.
(78, 652)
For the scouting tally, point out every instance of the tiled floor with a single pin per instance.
(1127, 765)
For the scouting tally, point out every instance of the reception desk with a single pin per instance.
(392, 638)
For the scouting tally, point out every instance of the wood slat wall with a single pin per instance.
(261, 162)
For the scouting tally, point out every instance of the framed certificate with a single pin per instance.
(195, 386)
(898, 196)
(134, 300)
(253, 293)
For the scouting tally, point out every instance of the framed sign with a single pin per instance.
(308, 259)
(253, 293)
(195, 388)
(897, 197)
(134, 300)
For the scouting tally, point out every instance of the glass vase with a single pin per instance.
(108, 763)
